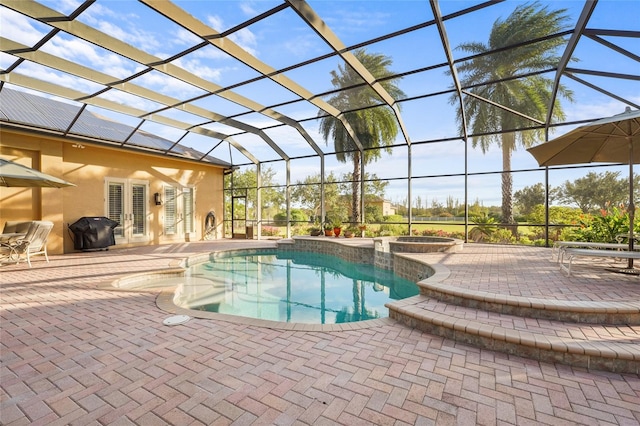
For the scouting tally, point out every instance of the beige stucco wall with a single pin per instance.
(88, 168)
(384, 205)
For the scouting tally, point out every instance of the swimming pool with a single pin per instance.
(298, 287)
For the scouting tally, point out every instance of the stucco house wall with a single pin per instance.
(384, 205)
(87, 166)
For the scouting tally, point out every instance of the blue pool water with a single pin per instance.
(292, 287)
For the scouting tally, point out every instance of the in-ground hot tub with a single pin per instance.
(424, 244)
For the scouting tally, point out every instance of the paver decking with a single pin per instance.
(73, 353)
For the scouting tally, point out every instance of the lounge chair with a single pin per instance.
(33, 243)
(16, 226)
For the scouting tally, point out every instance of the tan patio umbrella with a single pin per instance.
(13, 174)
(614, 139)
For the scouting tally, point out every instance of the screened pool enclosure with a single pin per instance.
(408, 117)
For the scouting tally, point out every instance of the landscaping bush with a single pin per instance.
(440, 233)
(270, 231)
(484, 228)
(602, 227)
(502, 236)
(297, 215)
(557, 215)
(388, 230)
(524, 240)
(394, 218)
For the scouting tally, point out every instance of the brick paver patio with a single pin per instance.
(73, 353)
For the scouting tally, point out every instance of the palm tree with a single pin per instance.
(375, 126)
(529, 95)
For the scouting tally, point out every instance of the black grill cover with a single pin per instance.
(92, 233)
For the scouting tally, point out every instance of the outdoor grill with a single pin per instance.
(93, 233)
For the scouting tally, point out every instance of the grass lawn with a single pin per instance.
(444, 226)
(418, 227)
(523, 229)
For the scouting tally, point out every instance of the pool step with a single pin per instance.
(601, 312)
(614, 348)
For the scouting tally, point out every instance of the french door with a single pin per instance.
(127, 202)
(179, 208)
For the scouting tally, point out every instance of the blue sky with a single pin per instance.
(284, 40)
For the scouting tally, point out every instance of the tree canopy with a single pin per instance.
(519, 85)
(373, 123)
(596, 191)
(527, 198)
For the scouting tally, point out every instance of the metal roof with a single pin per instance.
(26, 109)
(202, 75)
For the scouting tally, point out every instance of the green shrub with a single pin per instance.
(524, 240)
(484, 228)
(602, 227)
(558, 215)
(297, 215)
(502, 236)
(394, 218)
(440, 233)
(387, 230)
(270, 231)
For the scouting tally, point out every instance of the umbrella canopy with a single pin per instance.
(603, 141)
(12, 174)
(613, 139)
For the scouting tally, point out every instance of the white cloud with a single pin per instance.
(247, 9)
(130, 100)
(80, 51)
(198, 68)
(17, 27)
(243, 38)
(586, 111)
(352, 20)
(6, 60)
(185, 38)
(210, 53)
(131, 35)
(68, 6)
(216, 23)
(104, 19)
(301, 46)
(167, 85)
(65, 80)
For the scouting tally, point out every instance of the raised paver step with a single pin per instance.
(592, 346)
(584, 311)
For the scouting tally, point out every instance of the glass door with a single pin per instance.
(239, 216)
(170, 208)
(126, 203)
(115, 208)
(179, 211)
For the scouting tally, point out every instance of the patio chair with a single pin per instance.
(13, 232)
(16, 226)
(32, 244)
